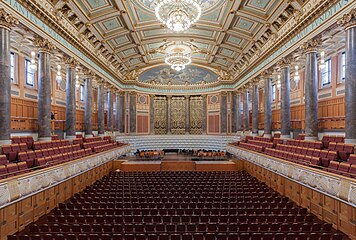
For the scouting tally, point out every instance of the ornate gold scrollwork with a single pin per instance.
(178, 115)
(196, 115)
(160, 115)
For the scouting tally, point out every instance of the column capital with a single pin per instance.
(88, 73)
(44, 45)
(71, 62)
(267, 73)
(311, 45)
(348, 20)
(7, 20)
(284, 62)
(256, 81)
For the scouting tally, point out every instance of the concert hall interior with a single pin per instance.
(177, 119)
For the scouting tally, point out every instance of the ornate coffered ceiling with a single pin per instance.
(228, 32)
(237, 39)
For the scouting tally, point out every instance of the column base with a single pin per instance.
(267, 135)
(44, 139)
(4, 142)
(285, 136)
(311, 138)
(350, 141)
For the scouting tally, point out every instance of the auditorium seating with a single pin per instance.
(311, 153)
(23, 139)
(327, 139)
(178, 206)
(44, 154)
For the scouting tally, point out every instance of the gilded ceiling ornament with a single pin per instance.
(284, 62)
(132, 75)
(348, 20)
(44, 45)
(71, 62)
(311, 45)
(7, 20)
(297, 14)
(223, 75)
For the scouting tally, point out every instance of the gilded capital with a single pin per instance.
(7, 20)
(71, 62)
(267, 73)
(89, 73)
(44, 45)
(284, 62)
(348, 20)
(311, 45)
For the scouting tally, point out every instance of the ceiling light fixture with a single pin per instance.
(178, 56)
(178, 15)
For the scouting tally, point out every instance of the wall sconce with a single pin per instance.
(322, 60)
(296, 74)
(59, 77)
(33, 65)
(279, 81)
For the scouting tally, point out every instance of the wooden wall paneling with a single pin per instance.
(347, 219)
(316, 204)
(305, 197)
(40, 205)
(10, 224)
(25, 212)
(330, 210)
(51, 199)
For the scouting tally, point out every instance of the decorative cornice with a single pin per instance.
(7, 20)
(89, 74)
(44, 45)
(71, 62)
(348, 20)
(284, 62)
(311, 45)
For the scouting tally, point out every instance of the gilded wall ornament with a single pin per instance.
(7, 20)
(44, 45)
(348, 20)
(311, 45)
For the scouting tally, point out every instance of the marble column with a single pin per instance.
(285, 97)
(223, 113)
(255, 101)
(169, 100)
(204, 121)
(117, 111)
(110, 115)
(7, 21)
(121, 118)
(101, 122)
(267, 116)
(311, 89)
(152, 114)
(349, 23)
(234, 112)
(44, 88)
(239, 119)
(187, 115)
(246, 111)
(88, 103)
(133, 112)
(71, 64)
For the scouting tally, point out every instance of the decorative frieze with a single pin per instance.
(7, 20)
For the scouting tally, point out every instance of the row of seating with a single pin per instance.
(181, 227)
(263, 144)
(23, 139)
(305, 144)
(12, 150)
(332, 138)
(92, 139)
(325, 156)
(93, 144)
(344, 150)
(61, 158)
(182, 236)
(105, 147)
(50, 144)
(13, 169)
(263, 139)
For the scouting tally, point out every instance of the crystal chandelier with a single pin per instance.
(178, 15)
(178, 56)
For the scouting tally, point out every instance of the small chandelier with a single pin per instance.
(178, 56)
(178, 15)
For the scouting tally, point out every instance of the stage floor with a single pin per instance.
(173, 157)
